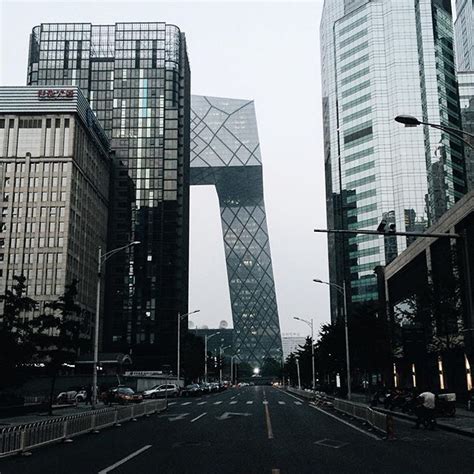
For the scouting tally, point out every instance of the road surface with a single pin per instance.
(249, 430)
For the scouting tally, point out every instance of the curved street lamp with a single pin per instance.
(342, 290)
(410, 121)
(310, 324)
(206, 338)
(178, 355)
(100, 261)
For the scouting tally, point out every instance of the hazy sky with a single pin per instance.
(265, 51)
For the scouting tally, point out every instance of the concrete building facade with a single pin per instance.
(54, 186)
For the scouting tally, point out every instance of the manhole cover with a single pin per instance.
(191, 444)
(330, 443)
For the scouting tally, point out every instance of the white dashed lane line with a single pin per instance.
(281, 403)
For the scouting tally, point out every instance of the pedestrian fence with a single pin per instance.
(22, 438)
(377, 420)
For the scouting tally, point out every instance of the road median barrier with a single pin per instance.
(20, 439)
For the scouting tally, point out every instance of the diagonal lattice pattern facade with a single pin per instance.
(225, 152)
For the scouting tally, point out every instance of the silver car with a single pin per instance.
(162, 391)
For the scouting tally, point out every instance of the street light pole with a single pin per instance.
(178, 356)
(310, 324)
(342, 289)
(101, 259)
(221, 350)
(206, 338)
(298, 372)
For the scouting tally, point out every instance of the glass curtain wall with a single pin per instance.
(379, 60)
(136, 77)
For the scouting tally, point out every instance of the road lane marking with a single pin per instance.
(124, 460)
(233, 403)
(298, 403)
(232, 397)
(345, 422)
(180, 416)
(281, 403)
(197, 417)
(185, 403)
(335, 417)
(202, 403)
(217, 403)
(249, 402)
(265, 402)
(269, 422)
(171, 404)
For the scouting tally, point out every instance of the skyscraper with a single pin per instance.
(464, 31)
(225, 152)
(136, 78)
(381, 59)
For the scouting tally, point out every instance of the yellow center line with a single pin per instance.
(269, 423)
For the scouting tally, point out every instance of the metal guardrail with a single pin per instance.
(379, 421)
(21, 438)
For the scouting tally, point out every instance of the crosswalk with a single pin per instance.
(231, 402)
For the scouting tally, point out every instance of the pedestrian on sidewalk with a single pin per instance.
(425, 410)
(89, 395)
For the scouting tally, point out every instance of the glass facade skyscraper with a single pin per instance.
(381, 59)
(136, 78)
(225, 152)
(464, 30)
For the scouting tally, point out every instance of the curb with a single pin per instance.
(444, 426)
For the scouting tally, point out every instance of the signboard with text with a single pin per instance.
(54, 94)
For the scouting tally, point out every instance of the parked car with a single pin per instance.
(206, 387)
(72, 396)
(122, 395)
(191, 390)
(162, 391)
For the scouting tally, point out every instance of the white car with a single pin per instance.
(72, 396)
(162, 391)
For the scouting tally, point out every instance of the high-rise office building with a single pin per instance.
(54, 181)
(466, 97)
(381, 59)
(464, 34)
(136, 78)
(291, 342)
(225, 152)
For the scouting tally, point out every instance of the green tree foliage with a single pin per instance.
(271, 368)
(16, 348)
(59, 334)
(193, 357)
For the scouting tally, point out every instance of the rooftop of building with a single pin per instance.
(57, 99)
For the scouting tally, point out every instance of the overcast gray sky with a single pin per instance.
(265, 51)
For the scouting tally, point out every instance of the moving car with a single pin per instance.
(162, 391)
(191, 390)
(122, 395)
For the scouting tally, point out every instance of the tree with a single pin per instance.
(16, 348)
(59, 334)
(193, 357)
(271, 368)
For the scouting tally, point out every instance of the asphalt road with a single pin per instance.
(245, 431)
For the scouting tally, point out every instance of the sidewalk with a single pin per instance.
(462, 423)
(58, 411)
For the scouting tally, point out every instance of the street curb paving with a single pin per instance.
(444, 426)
